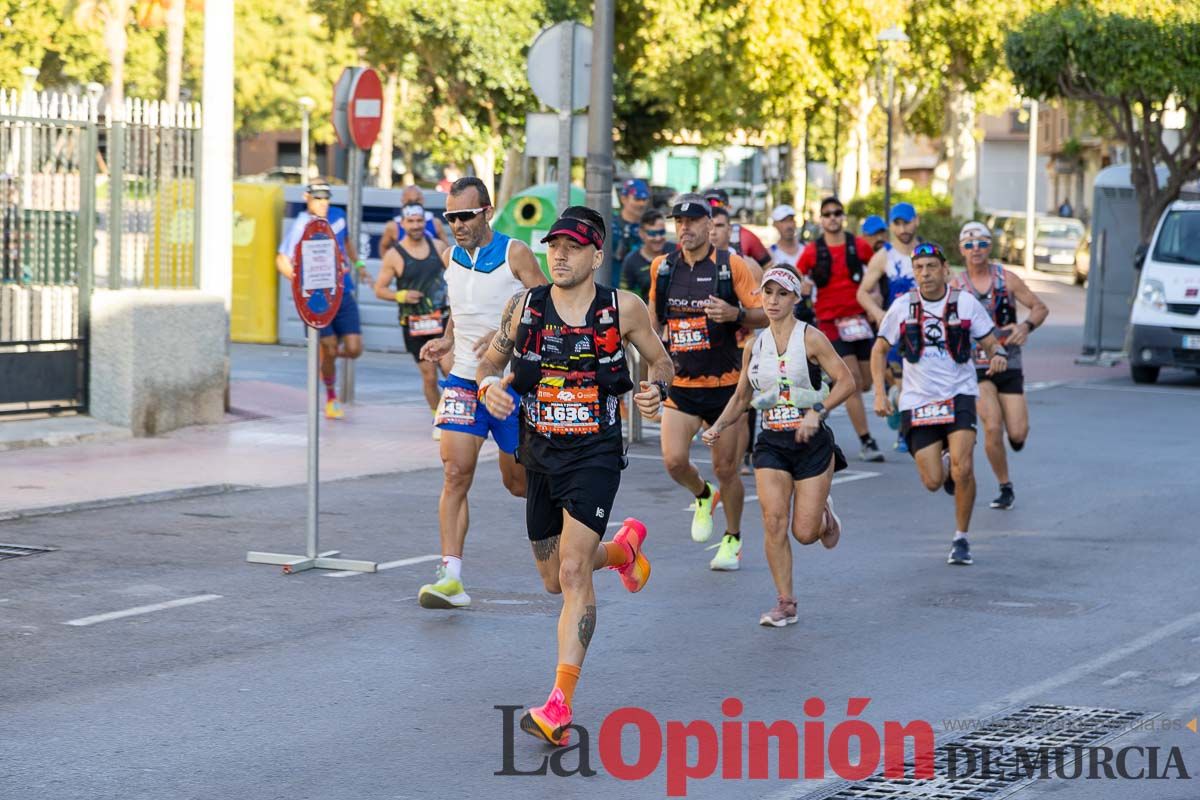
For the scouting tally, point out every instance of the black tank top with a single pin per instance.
(568, 420)
(427, 276)
(705, 352)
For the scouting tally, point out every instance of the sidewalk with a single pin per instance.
(262, 443)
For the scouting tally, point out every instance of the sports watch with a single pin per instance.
(821, 410)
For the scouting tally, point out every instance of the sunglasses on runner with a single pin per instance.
(466, 215)
(656, 233)
(838, 213)
(980, 244)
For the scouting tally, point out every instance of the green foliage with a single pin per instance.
(938, 224)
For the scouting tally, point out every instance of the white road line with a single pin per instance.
(133, 612)
(404, 562)
(1182, 391)
(1038, 386)
(1122, 678)
(1040, 688)
(1186, 680)
(845, 477)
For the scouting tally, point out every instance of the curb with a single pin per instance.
(66, 439)
(128, 500)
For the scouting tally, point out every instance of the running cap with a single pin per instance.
(716, 197)
(873, 224)
(577, 225)
(780, 213)
(412, 210)
(903, 212)
(319, 189)
(690, 204)
(636, 187)
(974, 230)
(928, 250)
(784, 277)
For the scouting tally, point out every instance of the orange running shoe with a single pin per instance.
(549, 722)
(636, 571)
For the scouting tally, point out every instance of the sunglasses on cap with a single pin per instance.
(928, 249)
(466, 215)
(978, 244)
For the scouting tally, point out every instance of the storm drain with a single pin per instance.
(18, 550)
(1013, 742)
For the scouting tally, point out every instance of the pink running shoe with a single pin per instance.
(636, 571)
(549, 722)
(833, 526)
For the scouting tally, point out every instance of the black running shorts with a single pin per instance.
(921, 436)
(860, 349)
(1011, 381)
(781, 451)
(707, 404)
(586, 493)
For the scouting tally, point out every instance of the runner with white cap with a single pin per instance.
(795, 455)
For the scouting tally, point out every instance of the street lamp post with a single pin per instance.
(306, 107)
(885, 39)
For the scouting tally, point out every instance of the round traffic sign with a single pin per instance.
(561, 81)
(365, 109)
(319, 267)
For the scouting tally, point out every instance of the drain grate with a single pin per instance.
(18, 550)
(1032, 728)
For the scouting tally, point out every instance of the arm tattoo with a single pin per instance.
(544, 549)
(502, 343)
(587, 626)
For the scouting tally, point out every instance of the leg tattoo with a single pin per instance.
(544, 549)
(587, 626)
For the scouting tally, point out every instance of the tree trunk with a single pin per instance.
(510, 177)
(848, 172)
(116, 42)
(387, 133)
(176, 17)
(862, 143)
(485, 166)
(964, 159)
(798, 156)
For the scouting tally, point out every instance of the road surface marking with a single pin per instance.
(404, 562)
(844, 477)
(138, 610)
(1124, 676)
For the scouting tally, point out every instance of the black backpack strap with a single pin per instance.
(823, 269)
(662, 284)
(854, 264)
(725, 289)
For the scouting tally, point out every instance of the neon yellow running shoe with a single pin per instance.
(333, 410)
(729, 555)
(445, 592)
(702, 521)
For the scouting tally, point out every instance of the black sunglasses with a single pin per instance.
(466, 215)
(838, 213)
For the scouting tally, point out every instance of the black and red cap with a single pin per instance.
(581, 224)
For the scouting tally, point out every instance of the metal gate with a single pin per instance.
(47, 195)
(59, 240)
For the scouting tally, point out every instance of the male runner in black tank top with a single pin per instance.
(567, 344)
(415, 263)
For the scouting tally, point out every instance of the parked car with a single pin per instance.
(998, 224)
(1164, 320)
(745, 200)
(1061, 244)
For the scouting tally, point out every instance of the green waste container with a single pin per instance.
(528, 215)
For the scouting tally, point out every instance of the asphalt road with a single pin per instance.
(263, 686)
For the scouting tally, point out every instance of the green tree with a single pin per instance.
(1069, 52)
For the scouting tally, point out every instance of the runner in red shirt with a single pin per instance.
(836, 262)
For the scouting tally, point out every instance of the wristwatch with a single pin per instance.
(662, 390)
(821, 410)
(741, 315)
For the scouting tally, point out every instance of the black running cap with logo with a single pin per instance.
(690, 205)
(581, 230)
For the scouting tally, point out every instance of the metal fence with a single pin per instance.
(85, 201)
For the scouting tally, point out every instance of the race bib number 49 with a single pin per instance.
(783, 418)
(567, 411)
(688, 334)
(939, 413)
(457, 406)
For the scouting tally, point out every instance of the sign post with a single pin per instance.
(559, 66)
(316, 283)
(357, 118)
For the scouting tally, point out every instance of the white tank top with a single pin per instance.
(782, 380)
(479, 285)
(786, 259)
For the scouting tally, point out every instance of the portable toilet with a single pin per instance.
(528, 215)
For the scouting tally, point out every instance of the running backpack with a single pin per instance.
(823, 270)
(912, 330)
(662, 283)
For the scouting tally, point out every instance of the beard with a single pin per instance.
(906, 238)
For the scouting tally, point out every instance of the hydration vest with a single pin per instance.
(602, 323)
(823, 270)
(662, 284)
(912, 330)
(1004, 313)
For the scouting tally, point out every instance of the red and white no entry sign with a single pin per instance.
(365, 108)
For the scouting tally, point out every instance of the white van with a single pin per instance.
(1164, 323)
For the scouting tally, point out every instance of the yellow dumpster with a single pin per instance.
(257, 213)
